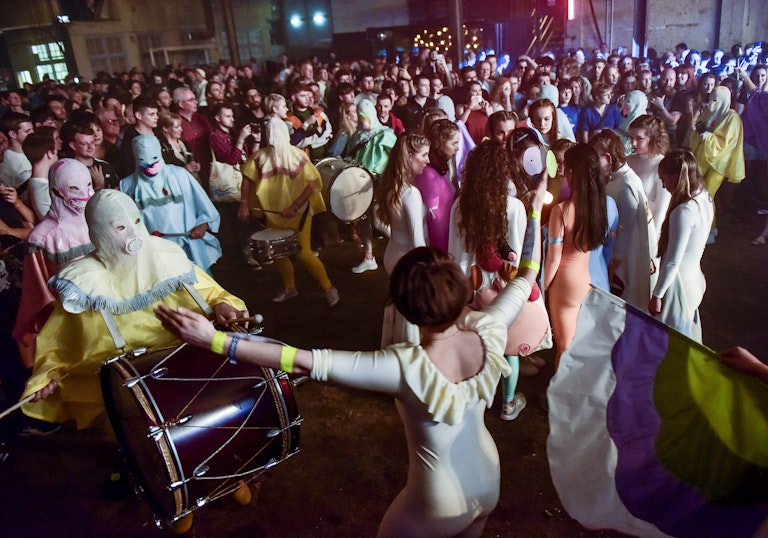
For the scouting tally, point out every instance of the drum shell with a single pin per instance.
(268, 245)
(220, 398)
(347, 188)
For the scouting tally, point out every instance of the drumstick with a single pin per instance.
(23, 401)
(260, 210)
(258, 318)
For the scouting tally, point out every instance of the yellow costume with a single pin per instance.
(719, 147)
(128, 282)
(281, 173)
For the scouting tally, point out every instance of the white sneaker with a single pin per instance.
(511, 410)
(366, 265)
(332, 296)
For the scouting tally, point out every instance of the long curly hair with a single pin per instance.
(679, 163)
(397, 174)
(483, 200)
(588, 201)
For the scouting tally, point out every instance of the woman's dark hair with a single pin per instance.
(428, 288)
(591, 218)
(439, 134)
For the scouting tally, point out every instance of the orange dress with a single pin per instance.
(566, 275)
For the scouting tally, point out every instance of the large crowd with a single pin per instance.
(113, 192)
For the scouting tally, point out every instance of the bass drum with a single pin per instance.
(347, 188)
(193, 425)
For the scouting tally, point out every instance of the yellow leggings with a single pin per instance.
(313, 264)
(713, 180)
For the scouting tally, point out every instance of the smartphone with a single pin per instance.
(477, 98)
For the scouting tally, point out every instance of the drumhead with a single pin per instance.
(272, 234)
(350, 193)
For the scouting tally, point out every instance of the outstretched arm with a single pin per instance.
(199, 331)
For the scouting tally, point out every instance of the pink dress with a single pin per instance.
(438, 195)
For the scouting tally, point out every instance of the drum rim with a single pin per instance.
(163, 443)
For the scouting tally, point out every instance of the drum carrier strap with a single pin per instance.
(117, 336)
(114, 331)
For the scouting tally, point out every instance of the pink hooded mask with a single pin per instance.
(63, 234)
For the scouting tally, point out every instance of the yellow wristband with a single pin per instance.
(217, 344)
(530, 264)
(287, 356)
(533, 214)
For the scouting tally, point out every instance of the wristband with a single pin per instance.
(232, 346)
(287, 356)
(534, 214)
(530, 264)
(217, 344)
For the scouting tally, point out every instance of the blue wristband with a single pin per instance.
(232, 346)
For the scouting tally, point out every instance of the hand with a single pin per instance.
(97, 177)
(193, 166)
(198, 231)
(741, 359)
(289, 212)
(46, 391)
(225, 312)
(245, 133)
(657, 101)
(9, 194)
(187, 325)
(655, 305)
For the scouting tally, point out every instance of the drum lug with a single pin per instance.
(200, 471)
(271, 463)
(202, 501)
(137, 352)
(155, 432)
(159, 372)
(131, 382)
(175, 485)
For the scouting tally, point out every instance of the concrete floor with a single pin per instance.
(353, 460)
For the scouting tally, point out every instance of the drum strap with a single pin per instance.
(204, 306)
(114, 331)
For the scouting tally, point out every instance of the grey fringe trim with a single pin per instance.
(65, 257)
(72, 294)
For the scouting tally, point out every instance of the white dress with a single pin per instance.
(681, 282)
(406, 233)
(647, 169)
(636, 246)
(453, 463)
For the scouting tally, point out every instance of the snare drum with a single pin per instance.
(272, 243)
(193, 425)
(347, 188)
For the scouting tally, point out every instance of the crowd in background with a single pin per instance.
(642, 146)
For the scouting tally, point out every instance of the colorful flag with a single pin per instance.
(651, 435)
